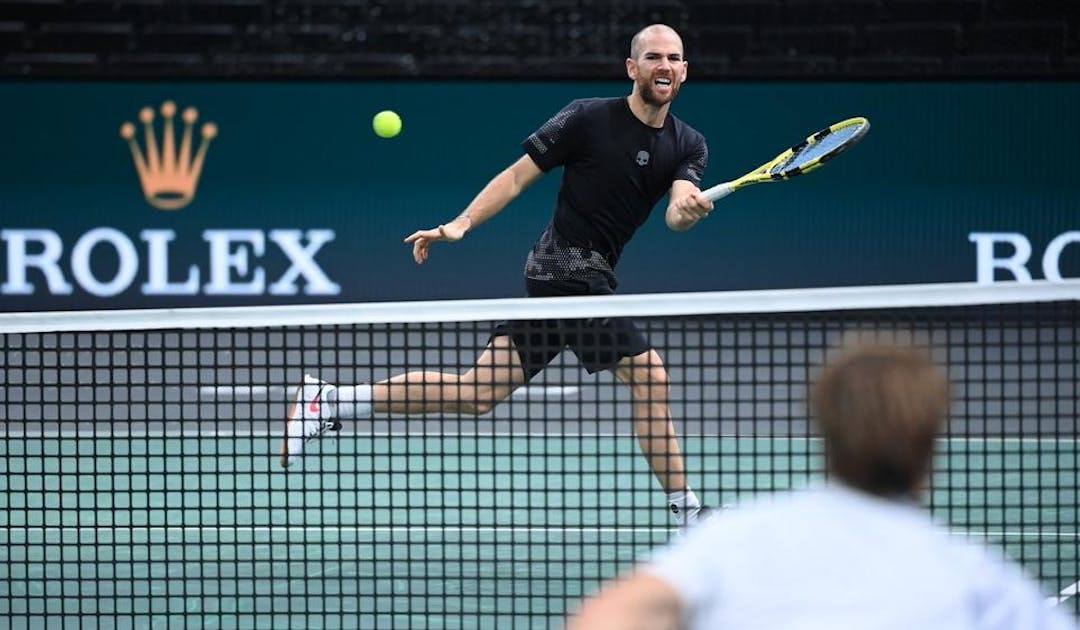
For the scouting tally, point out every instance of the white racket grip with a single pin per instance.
(718, 191)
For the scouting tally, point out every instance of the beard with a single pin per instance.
(648, 92)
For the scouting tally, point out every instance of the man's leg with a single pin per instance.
(649, 387)
(495, 376)
(317, 404)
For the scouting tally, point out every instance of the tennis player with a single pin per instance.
(619, 156)
(857, 552)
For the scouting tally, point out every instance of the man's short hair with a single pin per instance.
(879, 408)
(635, 41)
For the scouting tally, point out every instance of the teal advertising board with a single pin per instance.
(297, 200)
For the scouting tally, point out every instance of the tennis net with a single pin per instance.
(141, 484)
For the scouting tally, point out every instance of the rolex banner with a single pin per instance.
(130, 195)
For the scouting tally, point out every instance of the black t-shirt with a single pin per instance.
(615, 169)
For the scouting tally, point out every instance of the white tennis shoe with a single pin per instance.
(310, 416)
(703, 515)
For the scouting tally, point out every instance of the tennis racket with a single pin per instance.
(801, 158)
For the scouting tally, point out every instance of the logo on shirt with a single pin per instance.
(642, 158)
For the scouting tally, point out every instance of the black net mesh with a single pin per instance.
(142, 485)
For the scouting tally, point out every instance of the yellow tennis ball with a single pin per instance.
(386, 124)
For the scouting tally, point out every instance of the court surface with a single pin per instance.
(419, 531)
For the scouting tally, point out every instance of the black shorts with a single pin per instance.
(599, 343)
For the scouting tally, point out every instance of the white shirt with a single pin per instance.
(834, 558)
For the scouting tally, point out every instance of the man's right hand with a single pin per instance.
(422, 239)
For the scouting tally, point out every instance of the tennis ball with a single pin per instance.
(386, 124)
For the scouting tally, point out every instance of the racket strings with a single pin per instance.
(819, 148)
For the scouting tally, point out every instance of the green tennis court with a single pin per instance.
(436, 531)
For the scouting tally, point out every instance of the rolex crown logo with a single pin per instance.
(168, 176)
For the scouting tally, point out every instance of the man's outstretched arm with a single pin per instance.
(500, 191)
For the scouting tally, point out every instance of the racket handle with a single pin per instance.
(718, 191)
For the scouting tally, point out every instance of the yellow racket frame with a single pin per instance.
(761, 174)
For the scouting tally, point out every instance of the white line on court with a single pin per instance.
(242, 392)
(1017, 534)
(366, 529)
(173, 433)
(463, 529)
(223, 393)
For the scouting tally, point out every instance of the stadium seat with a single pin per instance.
(187, 38)
(493, 66)
(237, 12)
(732, 41)
(933, 11)
(154, 65)
(49, 64)
(911, 39)
(1016, 37)
(811, 12)
(736, 12)
(32, 11)
(91, 37)
(1001, 66)
(12, 37)
(755, 66)
(814, 40)
(893, 66)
